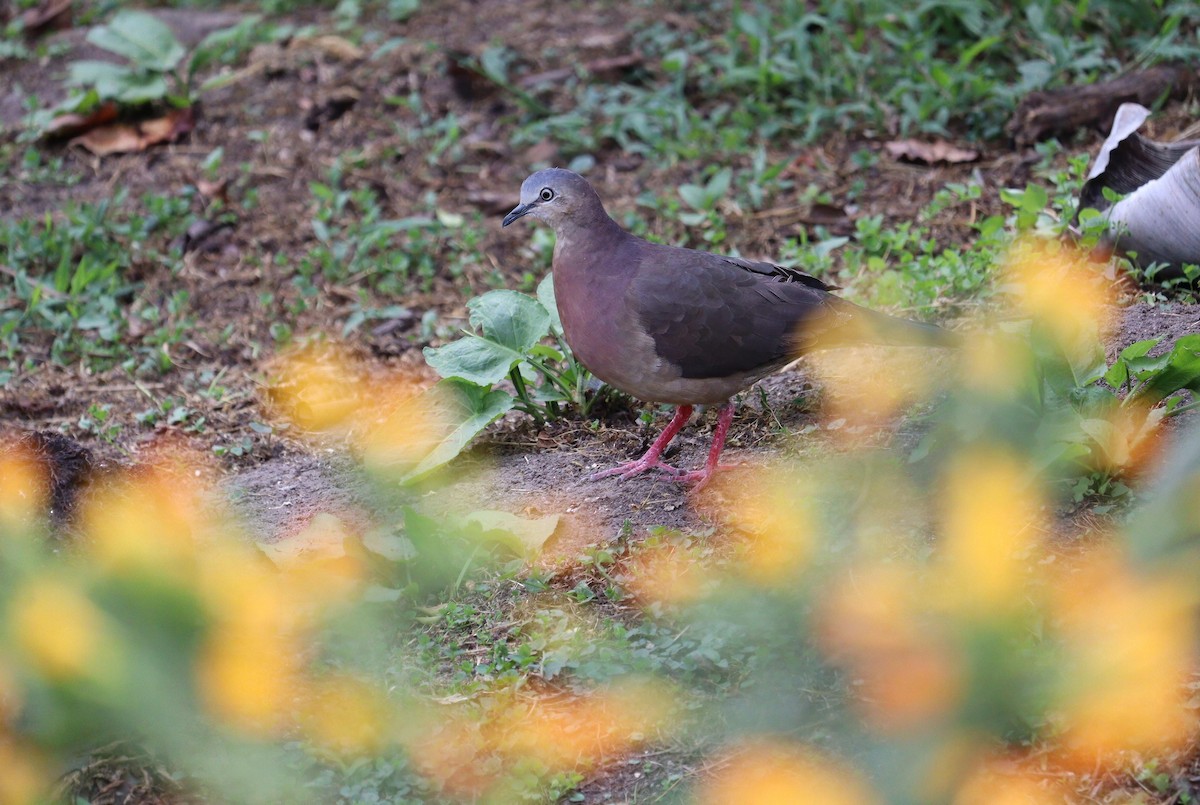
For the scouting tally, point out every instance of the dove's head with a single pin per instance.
(558, 197)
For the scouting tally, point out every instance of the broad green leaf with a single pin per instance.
(511, 324)
(693, 196)
(1118, 374)
(474, 359)
(104, 77)
(547, 353)
(524, 537)
(718, 185)
(471, 408)
(118, 82)
(140, 37)
(510, 318)
(1111, 440)
(135, 89)
(545, 295)
(441, 553)
(1182, 371)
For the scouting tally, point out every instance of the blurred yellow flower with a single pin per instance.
(1064, 293)
(668, 575)
(249, 667)
(874, 623)
(58, 628)
(774, 508)
(996, 363)
(24, 488)
(316, 387)
(23, 774)
(150, 520)
(867, 385)
(991, 524)
(248, 677)
(400, 425)
(763, 773)
(990, 785)
(346, 715)
(1129, 650)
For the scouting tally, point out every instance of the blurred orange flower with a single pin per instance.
(775, 508)
(23, 774)
(316, 387)
(580, 730)
(24, 488)
(763, 773)
(989, 784)
(874, 623)
(1129, 650)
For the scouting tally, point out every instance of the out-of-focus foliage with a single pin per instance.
(870, 628)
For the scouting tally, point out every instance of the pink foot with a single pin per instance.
(651, 461)
(632, 468)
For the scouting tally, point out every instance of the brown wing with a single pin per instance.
(714, 316)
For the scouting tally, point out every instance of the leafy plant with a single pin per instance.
(508, 345)
(158, 67)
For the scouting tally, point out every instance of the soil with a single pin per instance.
(300, 105)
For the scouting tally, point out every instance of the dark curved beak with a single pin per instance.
(518, 211)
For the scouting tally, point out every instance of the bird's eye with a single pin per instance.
(546, 194)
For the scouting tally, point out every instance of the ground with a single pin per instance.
(312, 109)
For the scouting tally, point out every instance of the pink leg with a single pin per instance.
(702, 477)
(650, 460)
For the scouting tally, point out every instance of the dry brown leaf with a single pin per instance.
(335, 46)
(75, 124)
(119, 138)
(49, 14)
(930, 153)
(214, 190)
(123, 138)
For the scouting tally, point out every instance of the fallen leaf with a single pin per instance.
(50, 14)
(213, 190)
(74, 124)
(522, 535)
(122, 138)
(335, 46)
(930, 153)
(323, 538)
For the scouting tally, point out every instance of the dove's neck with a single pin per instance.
(584, 242)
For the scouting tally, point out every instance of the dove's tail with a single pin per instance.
(868, 326)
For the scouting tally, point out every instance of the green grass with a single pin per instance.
(800, 70)
(75, 277)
